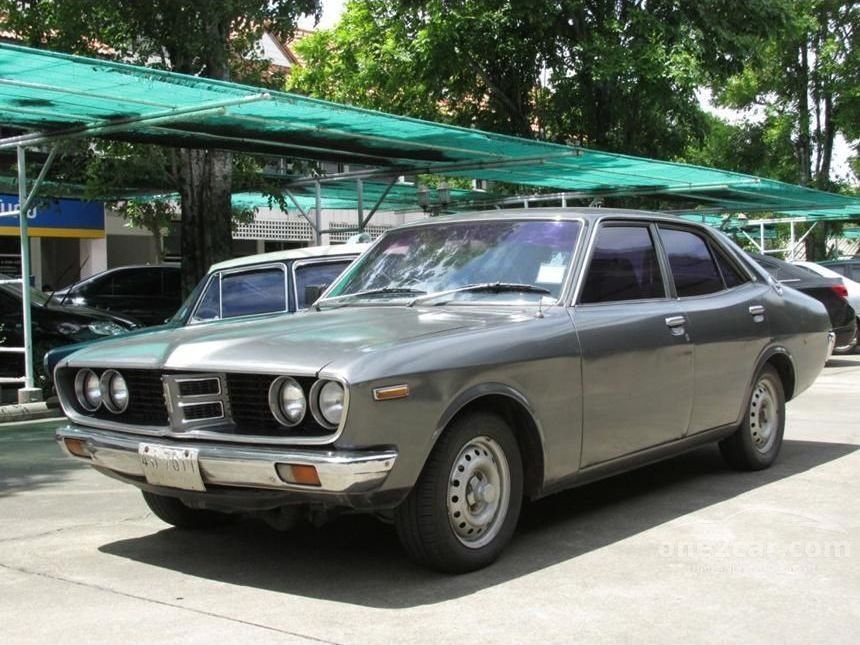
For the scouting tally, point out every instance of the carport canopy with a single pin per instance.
(60, 96)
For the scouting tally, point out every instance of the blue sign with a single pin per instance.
(55, 218)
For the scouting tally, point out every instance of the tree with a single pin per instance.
(212, 39)
(618, 75)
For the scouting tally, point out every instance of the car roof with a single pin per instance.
(308, 252)
(549, 212)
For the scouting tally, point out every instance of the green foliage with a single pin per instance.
(212, 39)
(617, 75)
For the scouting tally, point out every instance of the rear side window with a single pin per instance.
(623, 266)
(136, 282)
(244, 293)
(693, 267)
(731, 276)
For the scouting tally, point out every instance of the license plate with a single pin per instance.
(171, 467)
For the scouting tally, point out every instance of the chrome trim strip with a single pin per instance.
(342, 471)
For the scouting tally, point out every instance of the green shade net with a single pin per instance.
(58, 93)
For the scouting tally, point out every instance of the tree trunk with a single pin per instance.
(205, 186)
(804, 146)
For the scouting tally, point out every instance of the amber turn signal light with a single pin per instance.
(299, 474)
(77, 447)
(391, 392)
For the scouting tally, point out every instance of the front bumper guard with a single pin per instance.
(339, 471)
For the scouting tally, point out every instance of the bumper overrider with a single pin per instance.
(310, 474)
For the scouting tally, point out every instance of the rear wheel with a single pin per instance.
(464, 508)
(174, 512)
(756, 442)
(851, 345)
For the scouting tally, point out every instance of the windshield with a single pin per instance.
(14, 289)
(443, 257)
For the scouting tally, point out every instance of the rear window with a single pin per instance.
(693, 267)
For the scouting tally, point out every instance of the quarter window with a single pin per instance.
(623, 266)
(692, 265)
(318, 274)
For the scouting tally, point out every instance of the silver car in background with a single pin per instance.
(459, 366)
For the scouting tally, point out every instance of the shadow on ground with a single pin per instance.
(30, 458)
(358, 560)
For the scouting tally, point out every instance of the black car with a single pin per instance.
(53, 325)
(829, 291)
(150, 294)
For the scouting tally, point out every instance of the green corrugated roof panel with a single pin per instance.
(47, 91)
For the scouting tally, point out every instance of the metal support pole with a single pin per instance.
(761, 237)
(378, 203)
(359, 196)
(791, 242)
(317, 213)
(29, 392)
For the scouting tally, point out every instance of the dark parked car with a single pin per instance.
(53, 325)
(151, 294)
(459, 366)
(831, 292)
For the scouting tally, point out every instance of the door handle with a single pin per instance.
(757, 310)
(676, 321)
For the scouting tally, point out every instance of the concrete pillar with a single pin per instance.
(93, 256)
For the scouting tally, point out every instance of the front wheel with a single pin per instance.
(464, 508)
(756, 442)
(174, 512)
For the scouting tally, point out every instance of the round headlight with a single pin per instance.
(287, 401)
(88, 390)
(114, 391)
(329, 402)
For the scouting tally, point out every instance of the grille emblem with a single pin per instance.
(195, 400)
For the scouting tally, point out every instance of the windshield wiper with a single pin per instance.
(403, 291)
(491, 287)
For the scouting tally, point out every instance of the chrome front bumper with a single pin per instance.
(339, 471)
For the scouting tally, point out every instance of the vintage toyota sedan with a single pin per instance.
(460, 366)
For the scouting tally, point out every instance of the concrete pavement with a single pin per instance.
(684, 551)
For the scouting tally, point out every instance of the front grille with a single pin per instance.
(229, 404)
(201, 411)
(146, 405)
(249, 406)
(199, 386)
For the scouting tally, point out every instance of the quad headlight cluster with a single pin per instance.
(289, 404)
(109, 390)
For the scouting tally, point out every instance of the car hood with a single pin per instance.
(301, 343)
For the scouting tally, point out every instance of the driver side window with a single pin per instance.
(243, 293)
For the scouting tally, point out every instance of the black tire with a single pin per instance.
(756, 443)
(851, 345)
(482, 446)
(174, 512)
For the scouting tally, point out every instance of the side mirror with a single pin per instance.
(313, 292)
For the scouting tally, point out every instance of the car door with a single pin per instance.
(637, 360)
(726, 320)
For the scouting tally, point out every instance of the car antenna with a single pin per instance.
(539, 313)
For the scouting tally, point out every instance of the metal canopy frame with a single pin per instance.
(29, 392)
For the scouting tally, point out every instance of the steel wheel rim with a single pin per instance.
(764, 416)
(478, 492)
(851, 343)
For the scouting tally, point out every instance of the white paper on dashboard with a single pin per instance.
(550, 274)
